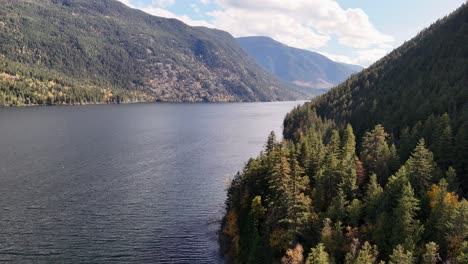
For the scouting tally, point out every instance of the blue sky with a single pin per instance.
(352, 31)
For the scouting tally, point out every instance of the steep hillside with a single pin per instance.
(109, 45)
(375, 170)
(301, 67)
(408, 92)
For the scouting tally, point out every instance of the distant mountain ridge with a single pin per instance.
(105, 45)
(301, 67)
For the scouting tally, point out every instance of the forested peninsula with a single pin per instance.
(375, 171)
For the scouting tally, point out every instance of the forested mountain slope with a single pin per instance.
(301, 67)
(419, 90)
(375, 171)
(109, 45)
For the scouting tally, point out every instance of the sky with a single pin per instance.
(351, 31)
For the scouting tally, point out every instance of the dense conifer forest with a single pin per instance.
(374, 171)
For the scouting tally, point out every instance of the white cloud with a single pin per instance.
(359, 57)
(160, 12)
(278, 26)
(156, 11)
(195, 8)
(306, 24)
(367, 57)
(126, 2)
(299, 23)
(162, 3)
(338, 58)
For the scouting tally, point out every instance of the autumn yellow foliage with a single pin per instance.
(450, 198)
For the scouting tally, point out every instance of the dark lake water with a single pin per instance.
(123, 183)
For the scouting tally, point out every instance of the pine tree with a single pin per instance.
(300, 204)
(348, 164)
(443, 141)
(355, 212)
(361, 175)
(421, 167)
(348, 147)
(279, 195)
(463, 255)
(373, 199)
(406, 229)
(334, 239)
(368, 254)
(337, 209)
(431, 254)
(401, 256)
(442, 206)
(393, 159)
(462, 152)
(406, 143)
(318, 255)
(452, 180)
(329, 175)
(457, 229)
(271, 142)
(258, 211)
(375, 153)
(317, 153)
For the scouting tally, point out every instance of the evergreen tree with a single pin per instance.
(462, 152)
(337, 209)
(443, 141)
(442, 204)
(421, 167)
(375, 153)
(401, 256)
(406, 143)
(393, 159)
(463, 256)
(258, 211)
(279, 195)
(457, 230)
(368, 254)
(271, 142)
(431, 254)
(406, 229)
(329, 175)
(348, 147)
(452, 180)
(316, 152)
(348, 163)
(334, 239)
(373, 199)
(318, 255)
(355, 212)
(300, 204)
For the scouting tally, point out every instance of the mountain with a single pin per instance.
(374, 171)
(301, 67)
(105, 51)
(408, 91)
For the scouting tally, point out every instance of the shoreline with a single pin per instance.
(147, 102)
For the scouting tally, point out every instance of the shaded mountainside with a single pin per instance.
(374, 171)
(106, 44)
(408, 92)
(301, 67)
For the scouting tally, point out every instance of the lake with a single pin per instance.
(140, 182)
